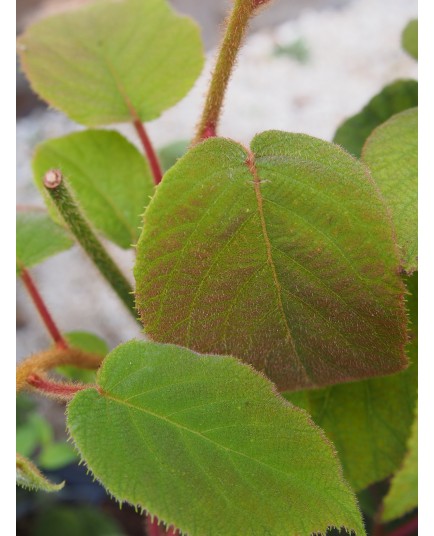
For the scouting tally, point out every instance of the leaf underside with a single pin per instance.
(283, 257)
(392, 99)
(38, 238)
(110, 179)
(113, 61)
(391, 153)
(369, 421)
(168, 429)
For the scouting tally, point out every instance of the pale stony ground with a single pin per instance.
(353, 52)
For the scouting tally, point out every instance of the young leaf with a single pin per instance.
(38, 238)
(113, 61)
(391, 154)
(402, 496)
(110, 178)
(284, 258)
(410, 38)
(369, 421)
(29, 476)
(167, 429)
(392, 99)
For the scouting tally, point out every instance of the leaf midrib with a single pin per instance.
(177, 425)
(259, 201)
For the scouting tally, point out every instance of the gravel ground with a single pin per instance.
(345, 56)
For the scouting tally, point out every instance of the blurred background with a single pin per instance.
(305, 67)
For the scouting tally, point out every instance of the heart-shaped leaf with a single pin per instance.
(110, 179)
(206, 444)
(283, 257)
(38, 238)
(392, 99)
(113, 61)
(369, 422)
(392, 155)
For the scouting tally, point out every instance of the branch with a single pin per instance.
(236, 27)
(56, 186)
(42, 309)
(149, 150)
(29, 370)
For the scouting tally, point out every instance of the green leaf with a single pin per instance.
(169, 154)
(26, 440)
(369, 421)
(168, 429)
(410, 38)
(88, 342)
(35, 431)
(38, 238)
(56, 455)
(392, 99)
(402, 495)
(288, 262)
(73, 521)
(29, 476)
(113, 61)
(110, 179)
(391, 154)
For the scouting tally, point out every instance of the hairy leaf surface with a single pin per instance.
(283, 257)
(113, 61)
(402, 495)
(38, 238)
(168, 429)
(108, 175)
(392, 156)
(410, 38)
(369, 421)
(29, 476)
(392, 99)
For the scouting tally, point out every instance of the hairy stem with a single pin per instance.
(55, 389)
(236, 26)
(149, 150)
(42, 309)
(37, 364)
(60, 194)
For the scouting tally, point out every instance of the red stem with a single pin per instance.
(43, 311)
(154, 529)
(149, 150)
(61, 390)
(407, 529)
